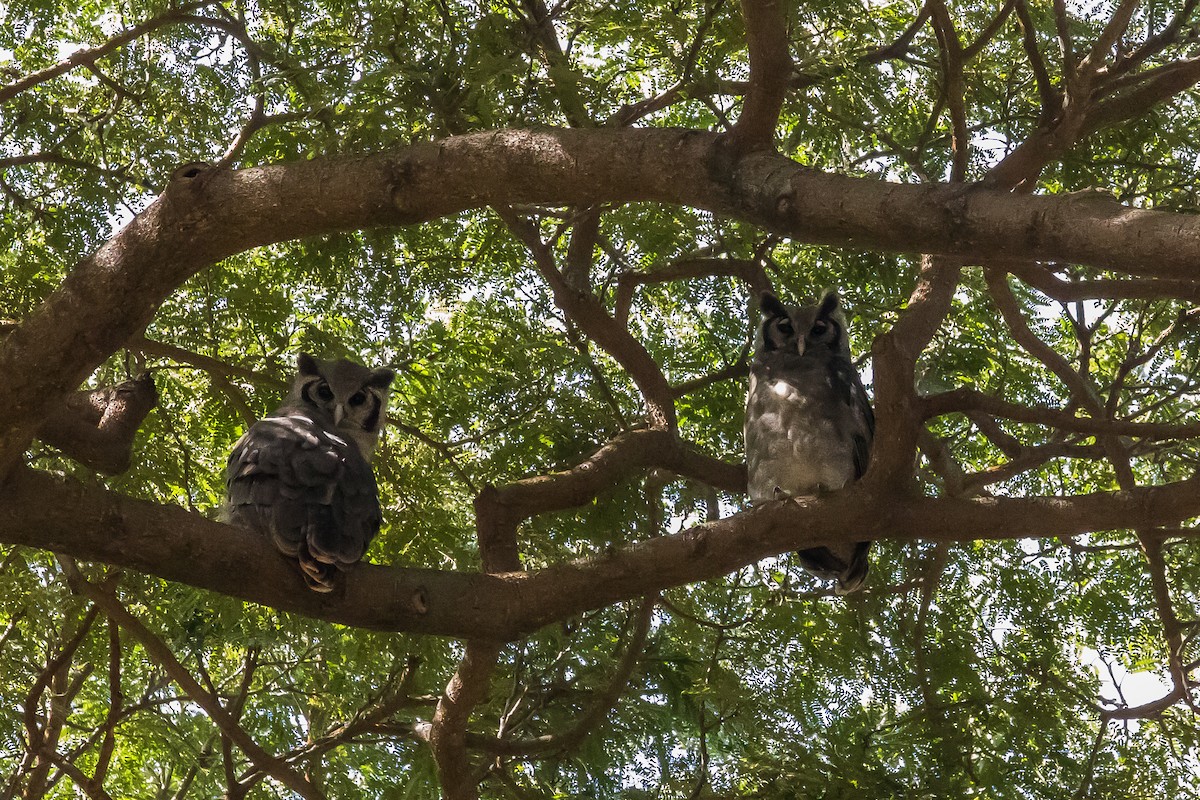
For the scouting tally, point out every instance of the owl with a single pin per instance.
(302, 474)
(809, 424)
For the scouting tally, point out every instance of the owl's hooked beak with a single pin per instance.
(339, 413)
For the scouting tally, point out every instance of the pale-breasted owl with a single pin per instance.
(809, 423)
(302, 474)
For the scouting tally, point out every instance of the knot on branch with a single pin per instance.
(420, 601)
(190, 171)
(97, 427)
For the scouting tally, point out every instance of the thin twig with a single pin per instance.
(157, 649)
(586, 310)
(568, 739)
(89, 56)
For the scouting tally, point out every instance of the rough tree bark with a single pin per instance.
(96, 525)
(209, 214)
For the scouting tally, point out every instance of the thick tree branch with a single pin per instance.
(90, 523)
(97, 428)
(894, 356)
(206, 215)
(1151, 88)
(448, 730)
(496, 534)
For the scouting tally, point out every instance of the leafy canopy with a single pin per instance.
(999, 668)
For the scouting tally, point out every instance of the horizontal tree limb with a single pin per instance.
(966, 400)
(207, 214)
(633, 450)
(1045, 281)
(94, 524)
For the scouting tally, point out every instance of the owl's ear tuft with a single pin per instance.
(307, 364)
(381, 378)
(771, 306)
(829, 303)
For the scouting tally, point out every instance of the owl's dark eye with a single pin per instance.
(358, 398)
(324, 392)
(785, 327)
(820, 327)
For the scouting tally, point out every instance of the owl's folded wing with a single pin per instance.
(308, 488)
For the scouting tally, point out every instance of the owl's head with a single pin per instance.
(803, 329)
(354, 397)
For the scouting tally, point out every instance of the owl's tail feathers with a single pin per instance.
(305, 532)
(336, 545)
(849, 569)
(855, 574)
(328, 550)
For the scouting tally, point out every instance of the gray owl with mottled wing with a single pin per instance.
(809, 424)
(303, 475)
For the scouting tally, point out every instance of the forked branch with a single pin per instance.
(770, 74)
